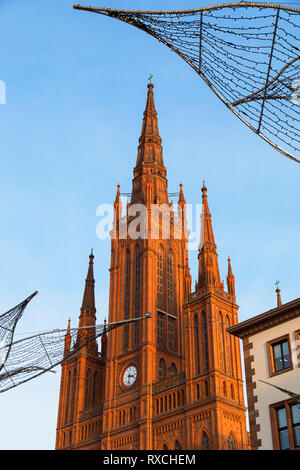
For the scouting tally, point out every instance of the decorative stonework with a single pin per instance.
(252, 397)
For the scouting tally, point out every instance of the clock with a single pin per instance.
(129, 376)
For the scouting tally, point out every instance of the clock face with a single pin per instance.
(129, 376)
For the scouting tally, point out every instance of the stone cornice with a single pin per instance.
(267, 320)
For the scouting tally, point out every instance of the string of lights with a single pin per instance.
(247, 53)
(8, 323)
(27, 358)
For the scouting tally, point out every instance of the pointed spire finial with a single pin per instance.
(279, 301)
(68, 339)
(230, 280)
(181, 200)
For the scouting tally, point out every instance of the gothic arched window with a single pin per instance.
(173, 369)
(126, 299)
(205, 441)
(228, 348)
(230, 442)
(160, 278)
(171, 333)
(206, 388)
(170, 282)
(162, 369)
(88, 384)
(165, 447)
(221, 341)
(95, 388)
(197, 344)
(177, 446)
(73, 394)
(68, 398)
(137, 295)
(204, 341)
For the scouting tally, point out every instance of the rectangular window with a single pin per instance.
(279, 355)
(295, 412)
(283, 429)
(285, 424)
(297, 345)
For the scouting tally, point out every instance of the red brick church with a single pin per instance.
(173, 381)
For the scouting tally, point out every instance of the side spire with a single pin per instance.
(206, 232)
(88, 301)
(208, 274)
(230, 280)
(68, 339)
(87, 315)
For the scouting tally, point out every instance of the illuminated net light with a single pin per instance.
(247, 53)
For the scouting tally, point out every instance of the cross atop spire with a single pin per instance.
(279, 301)
(150, 150)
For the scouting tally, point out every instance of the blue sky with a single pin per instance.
(76, 91)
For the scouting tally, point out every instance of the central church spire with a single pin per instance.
(150, 183)
(150, 150)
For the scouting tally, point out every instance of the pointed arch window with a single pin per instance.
(68, 398)
(177, 446)
(165, 447)
(171, 334)
(137, 295)
(197, 344)
(126, 300)
(170, 282)
(73, 394)
(206, 388)
(230, 442)
(173, 369)
(204, 341)
(160, 279)
(205, 441)
(221, 342)
(95, 388)
(162, 369)
(160, 329)
(228, 347)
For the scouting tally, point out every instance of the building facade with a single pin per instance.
(271, 344)
(173, 381)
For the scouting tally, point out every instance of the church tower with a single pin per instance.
(149, 272)
(81, 396)
(213, 363)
